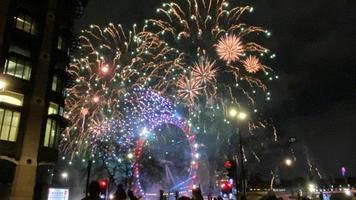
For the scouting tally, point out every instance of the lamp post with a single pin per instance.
(240, 116)
(88, 177)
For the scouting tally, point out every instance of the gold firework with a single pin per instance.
(252, 64)
(188, 89)
(230, 48)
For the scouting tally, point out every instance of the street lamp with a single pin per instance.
(64, 175)
(233, 112)
(240, 116)
(288, 162)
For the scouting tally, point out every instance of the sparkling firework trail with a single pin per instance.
(223, 65)
(109, 63)
(210, 29)
(196, 53)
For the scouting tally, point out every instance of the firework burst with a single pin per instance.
(188, 89)
(204, 72)
(110, 62)
(211, 33)
(230, 48)
(252, 64)
(212, 29)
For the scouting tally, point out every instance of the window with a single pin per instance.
(9, 124)
(60, 43)
(12, 98)
(25, 23)
(56, 84)
(52, 130)
(55, 109)
(18, 66)
(19, 50)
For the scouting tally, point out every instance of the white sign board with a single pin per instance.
(58, 194)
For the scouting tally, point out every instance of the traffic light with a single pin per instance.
(226, 186)
(230, 167)
(103, 185)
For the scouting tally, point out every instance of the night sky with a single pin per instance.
(315, 43)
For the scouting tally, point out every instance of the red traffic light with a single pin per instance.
(228, 164)
(226, 186)
(103, 184)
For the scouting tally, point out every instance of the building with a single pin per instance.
(35, 39)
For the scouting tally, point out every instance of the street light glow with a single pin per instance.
(233, 112)
(288, 162)
(242, 115)
(64, 175)
(311, 187)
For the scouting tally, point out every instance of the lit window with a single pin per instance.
(60, 43)
(56, 84)
(55, 109)
(9, 124)
(52, 130)
(18, 67)
(25, 23)
(12, 98)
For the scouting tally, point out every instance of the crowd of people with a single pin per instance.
(94, 191)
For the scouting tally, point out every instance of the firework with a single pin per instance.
(188, 89)
(211, 29)
(197, 53)
(230, 48)
(224, 66)
(252, 64)
(110, 62)
(204, 72)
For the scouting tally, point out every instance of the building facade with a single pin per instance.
(35, 40)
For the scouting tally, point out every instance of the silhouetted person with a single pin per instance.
(161, 195)
(321, 197)
(120, 193)
(131, 195)
(94, 191)
(197, 194)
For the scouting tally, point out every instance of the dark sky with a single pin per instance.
(315, 43)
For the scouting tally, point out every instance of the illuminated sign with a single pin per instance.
(58, 194)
